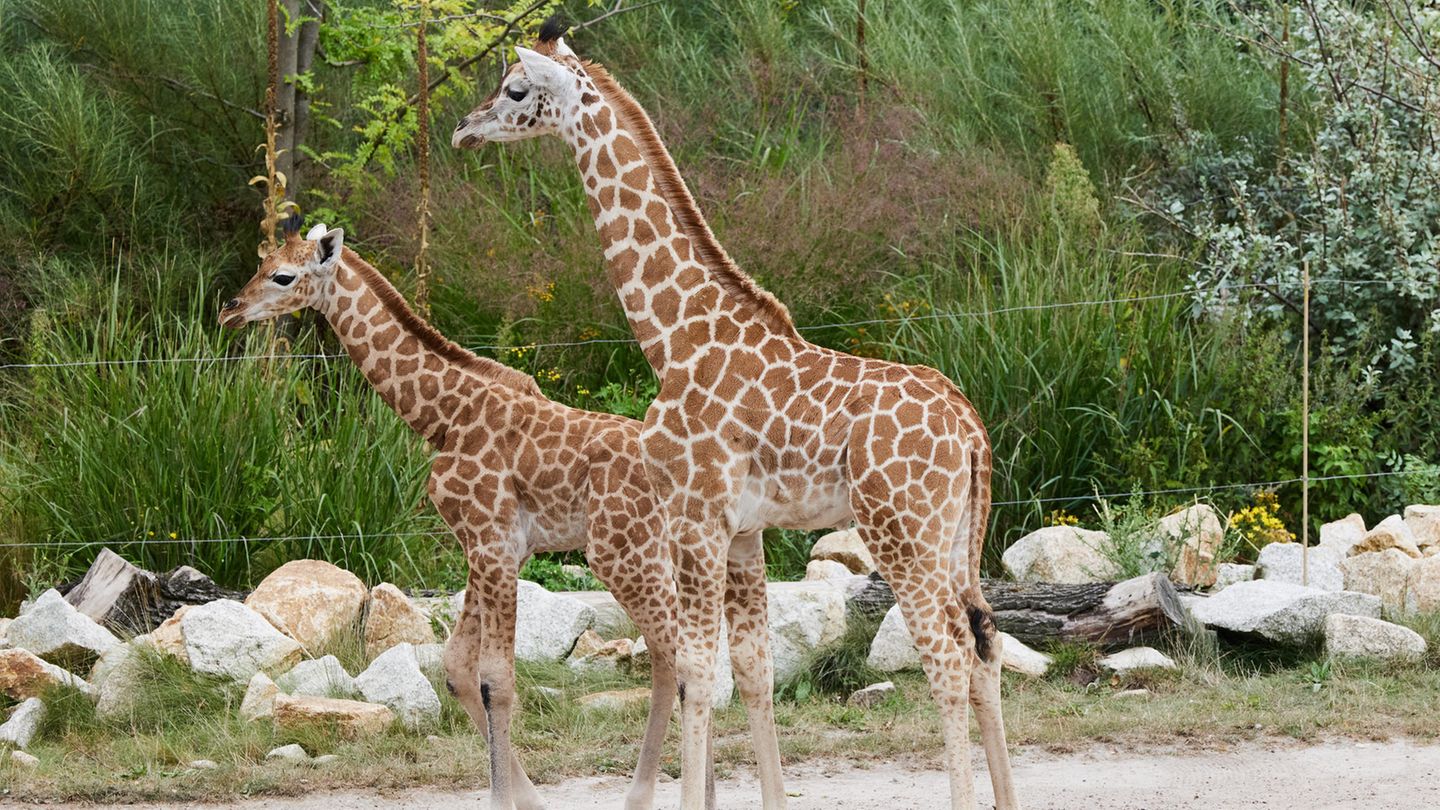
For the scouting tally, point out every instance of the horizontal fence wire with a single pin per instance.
(361, 537)
(1222, 288)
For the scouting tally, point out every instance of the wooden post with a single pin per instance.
(1305, 435)
(422, 138)
(273, 192)
(1284, 91)
(863, 61)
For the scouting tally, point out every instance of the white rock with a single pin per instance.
(1392, 532)
(1282, 562)
(23, 760)
(1192, 537)
(547, 624)
(1063, 554)
(1424, 523)
(724, 672)
(1227, 574)
(871, 695)
(346, 719)
(310, 601)
(228, 639)
(393, 619)
(395, 680)
(259, 700)
(1137, 658)
(202, 765)
(1364, 637)
(1344, 534)
(325, 759)
(24, 674)
(846, 548)
(320, 677)
(119, 678)
(431, 658)
(23, 724)
(1385, 574)
(606, 658)
(803, 619)
(1016, 656)
(614, 701)
(1423, 595)
(1279, 611)
(894, 649)
(826, 570)
(289, 753)
(54, 630)
(4, 629)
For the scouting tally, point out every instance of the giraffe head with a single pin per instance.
(532, 97)
(291, 278)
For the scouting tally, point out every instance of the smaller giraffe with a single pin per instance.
(515, 473)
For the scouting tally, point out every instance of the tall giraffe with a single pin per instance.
(756, 427)
(515, 473)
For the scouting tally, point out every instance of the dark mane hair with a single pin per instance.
(292, 224)
(687, 215)
(553, 29)
(431, 338)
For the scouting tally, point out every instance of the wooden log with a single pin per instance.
(131, 600)
(1105, 613)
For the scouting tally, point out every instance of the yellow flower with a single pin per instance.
(174, 536)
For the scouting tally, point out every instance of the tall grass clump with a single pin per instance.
(189, 448)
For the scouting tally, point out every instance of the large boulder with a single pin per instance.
(1285, 562)
(1385, 574)
(1227, 574)
(310, 601)
(547, 624)
(1366, 637)
(120, 679)
(803, 619)
(228, 639)
(1424, 523)
(23, 724)
(846, 548)
(1344, 534)
(827, 570)
(1423, 595)
(893, 649)
(395, 680)
(350, 719)
(319, 677)
(1279, 611)
(1191, 537)
(1392, 532)
(54, 630)
(4, 630)
(169, 636)
(1063, 554)
(24, 675)
(393, 619)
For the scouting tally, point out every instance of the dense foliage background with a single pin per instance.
(975, 175)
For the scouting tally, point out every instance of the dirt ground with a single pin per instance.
(1328, 776)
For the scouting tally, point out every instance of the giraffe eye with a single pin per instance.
(516, 95)
(283, 279)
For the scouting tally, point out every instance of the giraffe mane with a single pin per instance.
(430, 337)
(687, 214)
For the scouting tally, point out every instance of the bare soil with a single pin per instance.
(1328, 776)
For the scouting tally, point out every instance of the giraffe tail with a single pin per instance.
(978, 616)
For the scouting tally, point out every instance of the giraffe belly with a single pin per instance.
(765, 504)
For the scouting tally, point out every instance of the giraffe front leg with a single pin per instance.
(480, 667)
(747, 613)
(699, 581)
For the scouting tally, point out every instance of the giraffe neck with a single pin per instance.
(422, 376)
(679, 289)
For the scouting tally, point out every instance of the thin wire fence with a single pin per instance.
(901, 319)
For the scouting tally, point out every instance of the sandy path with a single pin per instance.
(1334, 775)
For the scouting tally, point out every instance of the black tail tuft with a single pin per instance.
(553, 29)
(982, 627)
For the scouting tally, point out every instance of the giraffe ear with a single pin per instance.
(327, 248)
(316, 232)
(561, 49)
(541, 70)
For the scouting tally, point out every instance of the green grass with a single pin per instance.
(142, 757)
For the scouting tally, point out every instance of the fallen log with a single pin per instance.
(131, 600)
(1038, 613)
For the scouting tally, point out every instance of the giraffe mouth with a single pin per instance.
(467, 140)
(236, 321)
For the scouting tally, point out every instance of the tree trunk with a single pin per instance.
(297, 53)
(1104, 613)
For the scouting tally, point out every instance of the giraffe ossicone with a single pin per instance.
(755, 427)
(514, 473)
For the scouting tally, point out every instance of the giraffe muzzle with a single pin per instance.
(463, 137)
